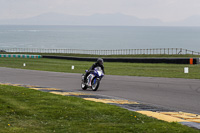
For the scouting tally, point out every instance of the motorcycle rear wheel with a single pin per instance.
(83, 86)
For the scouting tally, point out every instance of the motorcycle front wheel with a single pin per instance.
(95, 85)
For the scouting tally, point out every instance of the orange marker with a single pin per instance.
(191, 61)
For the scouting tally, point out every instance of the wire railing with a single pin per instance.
(158, 51)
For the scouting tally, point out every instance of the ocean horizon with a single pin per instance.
(99, 37)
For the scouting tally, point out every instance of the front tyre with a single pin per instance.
(95, 85)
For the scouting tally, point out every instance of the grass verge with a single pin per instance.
(23, 110)
(130, 69)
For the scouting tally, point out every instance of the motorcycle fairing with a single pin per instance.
(90, 77)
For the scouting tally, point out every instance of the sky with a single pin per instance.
(165, 10)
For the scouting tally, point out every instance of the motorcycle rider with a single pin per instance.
(99, 63)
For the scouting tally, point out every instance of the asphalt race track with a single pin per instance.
(176, 94)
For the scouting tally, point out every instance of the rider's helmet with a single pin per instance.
(100, 61)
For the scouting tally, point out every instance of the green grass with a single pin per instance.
(130, 69)
(23, 110)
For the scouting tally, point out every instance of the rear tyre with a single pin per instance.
(83, 86)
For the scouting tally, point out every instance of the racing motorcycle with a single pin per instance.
(93, 79)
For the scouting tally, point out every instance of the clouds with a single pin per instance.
(166, 10)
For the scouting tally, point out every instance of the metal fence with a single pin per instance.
(158, 51)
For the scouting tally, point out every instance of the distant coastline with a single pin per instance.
(116, 19)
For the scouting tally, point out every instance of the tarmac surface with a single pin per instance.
(170, 93)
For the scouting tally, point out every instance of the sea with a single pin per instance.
(99, 37)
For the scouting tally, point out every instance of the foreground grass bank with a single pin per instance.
(130, 69)
(23, 110)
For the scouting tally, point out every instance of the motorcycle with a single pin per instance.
(93, 79)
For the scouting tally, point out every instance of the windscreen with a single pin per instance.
(98, 68)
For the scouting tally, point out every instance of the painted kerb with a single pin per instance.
(19, 56)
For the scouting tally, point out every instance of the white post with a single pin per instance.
(186, 70)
